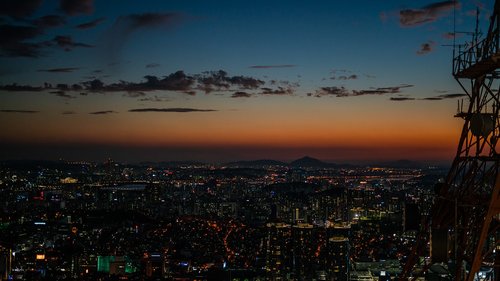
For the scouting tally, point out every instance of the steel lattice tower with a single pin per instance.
(467, 206)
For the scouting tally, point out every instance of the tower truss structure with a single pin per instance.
(466, 209)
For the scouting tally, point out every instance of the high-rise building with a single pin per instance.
(277, 250)
(336, 258)
(304, 247)
(5, 262)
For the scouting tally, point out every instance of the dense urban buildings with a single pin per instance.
(262, 220)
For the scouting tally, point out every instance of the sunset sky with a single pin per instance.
(342, 81)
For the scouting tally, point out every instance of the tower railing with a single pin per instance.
(478, 57)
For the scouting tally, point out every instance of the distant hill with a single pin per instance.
(309, 162)
(257, 163)
(171, 164)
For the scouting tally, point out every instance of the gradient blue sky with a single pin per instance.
(338, 80)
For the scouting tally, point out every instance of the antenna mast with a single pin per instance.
(464, 223)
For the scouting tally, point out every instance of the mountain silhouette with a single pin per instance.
(310, 162)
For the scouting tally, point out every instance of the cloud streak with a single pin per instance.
(279, 91)
(90, 24)
(445, 96)
(62, 94)
(344, 92)
(401, 99)
(241, 95)
(20, 88)
(272, 66)
(173, 109)
(435, 98)
(18, 111)
(59, 70)
(67, 43)
(103, 112)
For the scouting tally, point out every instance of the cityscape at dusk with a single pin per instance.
(232, 80)
(249, 140)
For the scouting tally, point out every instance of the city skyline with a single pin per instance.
(193, 80)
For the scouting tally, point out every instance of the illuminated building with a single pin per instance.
(336, 260)
(5, 262)
(277, 248)
(304, 248)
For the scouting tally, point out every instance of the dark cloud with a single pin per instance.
(179, 109)
(177, 81)
(125, 26)
(18, 8)
(241, 95)
(95, 85)
(401, 99)
(14, 42)
(426, 48)
(278, 91)
(133, 22)
(50, 21)
(152, 65)
(67, 43)
(90, 24)
(273, 66)
(76, 87)
(343, 92)
(60, 70)
(380, 91)
(332, 91)
(452, 96)
(17, 111)
(345, 77)
(20, 88)
(154, 99)
(426, 14)
(75, 7)
(446, 96)
(62, 94)
(343, 74)
(102, 112)
(219, 80)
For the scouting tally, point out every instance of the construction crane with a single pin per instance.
(463, 228)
